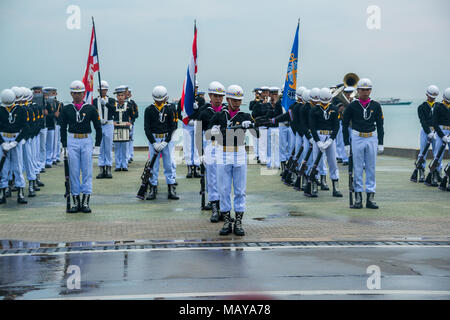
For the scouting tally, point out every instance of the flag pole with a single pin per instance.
(98, 59)
(195, 73)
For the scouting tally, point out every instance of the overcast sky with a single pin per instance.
(147, 43)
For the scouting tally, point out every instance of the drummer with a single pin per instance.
(122, 122)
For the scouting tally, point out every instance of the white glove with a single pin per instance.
(446, 139)
(431, 135)
(246, 124)
(195, 105)
(5, 146)
(311, 141)
(104, 121)
(162, 145)
(380, 149)
(327, 143)
(65, 151)
(96, 151)
(321, 145)
(103, 101)
(156, 146)
(215, 130)
(202, 159)
(347, 150)
(12, 144)
(191, 122)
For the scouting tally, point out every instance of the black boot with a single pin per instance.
(336, 192)
(307, 189)
(38, 181)
(76, 205)
(152, 193)
(2, 196)
(304, 182)
(35, 186)
(434, 178)
(358, 201)
(172, 194)
(227, 226)
(21, 196)
(297, 183)
(108, 174)
(283, 167)
(421, 175)
(323, 183)
(438, 176)
(215, 217)
(189, 173)
(102, 173)
(8, 192)
(85, 204)
(197, 172)
(208, 206)
(238, 230)
(31, 192)
(315, 189)
(370, 203)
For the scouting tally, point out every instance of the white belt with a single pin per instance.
(282, 124)
(108, 122)
(364, 134)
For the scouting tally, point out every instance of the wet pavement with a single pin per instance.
(179, 271)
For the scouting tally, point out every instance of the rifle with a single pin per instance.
(302, 169)
(2, 161)
(312, 175)
(443, 184)
(288, 165)
(146, 175)
(67, 180)
(420, 161)
(202, 185)
(433, 166)
(351, 189)
(291, 168)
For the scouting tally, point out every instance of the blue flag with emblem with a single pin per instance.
(290, 84)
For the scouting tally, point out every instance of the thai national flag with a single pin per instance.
(91, 68)
(188, 94)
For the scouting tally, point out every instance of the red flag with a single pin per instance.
(91, 68)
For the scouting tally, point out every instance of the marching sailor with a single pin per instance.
(231, 158)
(427, 131)
(257, 92)
(134, 114)
(365, 115)
(216, 92)
(324, 125)
(105, 108)
(56, 156)
(13, 128)
(259, 110)
(340, 147)
(122, 118)
(37, 99)
(50, 125)
(27, 148)
(273, 135)
(159, 124)
(190, 150)
(76, 131)
(441, 124)
(44, 129)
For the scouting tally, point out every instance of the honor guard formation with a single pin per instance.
(323, 128)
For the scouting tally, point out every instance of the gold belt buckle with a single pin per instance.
(446, 127)
(324, 132)
(230, 149)
(80, 135)
(365, 134)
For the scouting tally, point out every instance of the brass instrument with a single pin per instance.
(350, 80)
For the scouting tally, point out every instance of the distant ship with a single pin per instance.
(394, 101)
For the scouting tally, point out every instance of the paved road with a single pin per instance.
(296, 272)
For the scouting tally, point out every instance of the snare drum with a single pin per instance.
(121, 134)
